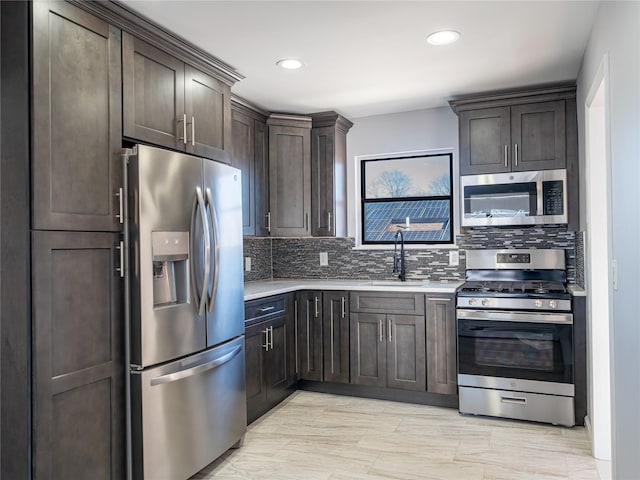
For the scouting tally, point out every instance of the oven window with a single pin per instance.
(529, 351)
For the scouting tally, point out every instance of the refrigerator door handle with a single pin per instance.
(214, 229)
(200, 297)
(198, 369)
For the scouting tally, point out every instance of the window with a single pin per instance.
(412, 193)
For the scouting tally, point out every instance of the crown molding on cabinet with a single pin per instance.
(139, 26)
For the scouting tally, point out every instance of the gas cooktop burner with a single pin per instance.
(515, 288)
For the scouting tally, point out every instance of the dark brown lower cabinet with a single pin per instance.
(388, 350)
(335, 336)
(78, 358)
(270, 363)
(309, 313)
(441, 345)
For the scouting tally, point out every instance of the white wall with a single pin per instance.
(616, 32)
(431, 129)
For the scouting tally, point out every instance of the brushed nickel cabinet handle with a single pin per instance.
(193, 131)
(183, 138)
(265, 345)
(329, 215)
(344, 307)
(380, 330)
(269, 222)
(120, 195)
(266, 309)
(390, 327)
(271, 343)
(316, 306)
(515, 154)
(120, 269)
(506, 155)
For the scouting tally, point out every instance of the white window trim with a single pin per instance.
(415, 153)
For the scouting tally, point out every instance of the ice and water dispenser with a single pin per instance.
(170, 268)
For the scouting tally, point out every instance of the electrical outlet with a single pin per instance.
(247, 264)
(454, 258)
(324, 259)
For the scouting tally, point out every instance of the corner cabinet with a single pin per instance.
(289, 175)
(517, 131)
(172, 104)
(329, 174)
(441, 345)
(388, 340)
(270, 353)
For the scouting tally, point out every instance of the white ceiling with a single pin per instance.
(370, 57)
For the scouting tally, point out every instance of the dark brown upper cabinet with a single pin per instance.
(516, 131)
(329, 174)
(172, 104)
(77, 130)
(250, 155)
(289, 175)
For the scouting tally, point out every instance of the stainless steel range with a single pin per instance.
(515, 336)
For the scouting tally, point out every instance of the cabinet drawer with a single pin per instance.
(264, 308)
(384, 302)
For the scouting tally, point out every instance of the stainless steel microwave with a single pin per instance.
(516, 198)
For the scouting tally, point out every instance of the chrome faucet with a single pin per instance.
(398, 258)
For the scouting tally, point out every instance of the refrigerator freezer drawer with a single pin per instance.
(188, 412)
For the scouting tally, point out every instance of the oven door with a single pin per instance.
(529, 346)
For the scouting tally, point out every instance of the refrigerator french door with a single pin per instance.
(186, 312)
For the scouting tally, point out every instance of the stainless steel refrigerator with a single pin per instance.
(183, 233)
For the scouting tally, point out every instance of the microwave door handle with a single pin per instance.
(539, 199)
(215, 231)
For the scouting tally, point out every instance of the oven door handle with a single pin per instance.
(529, 317)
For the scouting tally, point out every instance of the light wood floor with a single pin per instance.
(317, 436)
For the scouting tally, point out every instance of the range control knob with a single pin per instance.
(553, 304)
(485, 302)
(472, 301)
(538, 303)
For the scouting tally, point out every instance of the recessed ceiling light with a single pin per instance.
(290, 63)
(443, 37)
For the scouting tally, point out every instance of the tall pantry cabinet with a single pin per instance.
(77, 310)
(61, 199)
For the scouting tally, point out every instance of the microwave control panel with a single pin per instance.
(552, 197)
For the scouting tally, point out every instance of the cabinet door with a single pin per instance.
(368, 349)
(485, 139)
(335, 328)
(207, 104)
(243, 158)
(278, 367)
(289, 180)
(261, 179)
(76, 113)
(406, 362)
(78, 358)
(153, 95)
(322, 181)
(255, 350)
(441, 345)
(310, 335)
(538, 133)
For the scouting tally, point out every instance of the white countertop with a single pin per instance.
(266, 288)
(576, 290)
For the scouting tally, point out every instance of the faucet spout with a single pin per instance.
(398, 257)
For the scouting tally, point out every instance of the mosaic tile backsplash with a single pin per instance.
(299, 257)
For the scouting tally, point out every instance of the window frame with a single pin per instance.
(450, 242)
